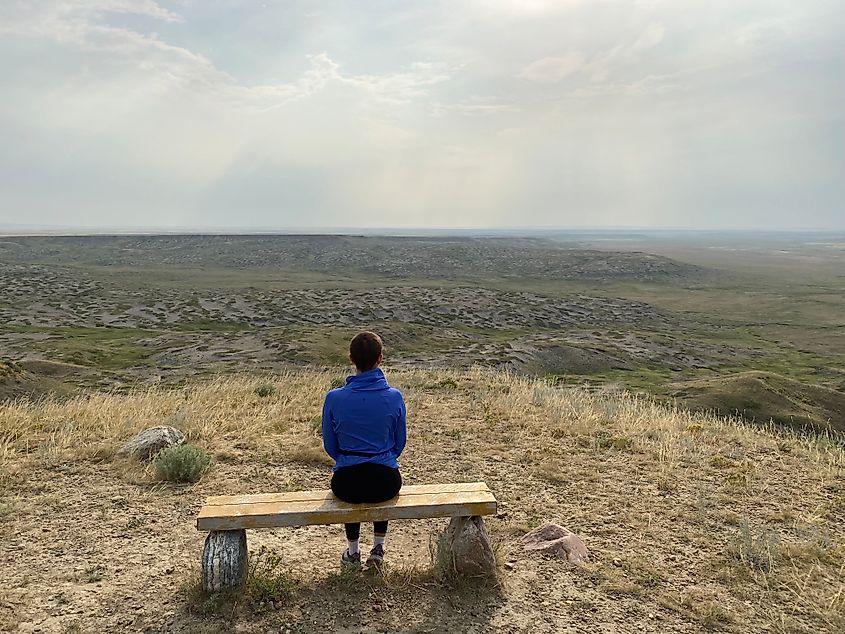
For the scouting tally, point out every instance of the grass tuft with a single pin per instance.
(268, 583)
(94, 573)
(268, 587)
(265, 389)
(317, 426)
(442, 559)
(756, 549)
(309, 453)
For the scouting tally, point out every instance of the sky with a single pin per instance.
(400, 113)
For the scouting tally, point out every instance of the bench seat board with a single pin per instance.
(304, 496)
(321, 507)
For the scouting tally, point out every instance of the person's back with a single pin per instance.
(364, 432)
(364, 421)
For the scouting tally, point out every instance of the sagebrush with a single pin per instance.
(182, 464)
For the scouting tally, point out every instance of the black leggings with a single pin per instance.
(366, 482)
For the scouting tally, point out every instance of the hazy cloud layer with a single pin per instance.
(384, 114)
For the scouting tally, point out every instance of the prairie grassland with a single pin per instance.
(693, 521)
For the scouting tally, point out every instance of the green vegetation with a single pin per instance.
(268, 587)
(684, 321)
(764, 397)
(265, 389)
(181, 464)
(94, 573)
(10, 369)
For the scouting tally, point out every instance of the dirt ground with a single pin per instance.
(663, 499)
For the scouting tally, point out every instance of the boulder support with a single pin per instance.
(468, 543)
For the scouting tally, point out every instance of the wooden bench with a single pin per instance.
(227, 517)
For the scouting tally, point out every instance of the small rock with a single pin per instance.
(145, 445)
(557, 541)
(509, 566)
(617, 562)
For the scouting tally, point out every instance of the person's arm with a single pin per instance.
(400, 429)
(330, 443)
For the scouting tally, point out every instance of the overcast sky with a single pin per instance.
(390, 113)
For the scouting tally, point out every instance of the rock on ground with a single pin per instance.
(469, 544)
(555, 540)
(145, 445)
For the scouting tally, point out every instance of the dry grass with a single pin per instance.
(681, 510)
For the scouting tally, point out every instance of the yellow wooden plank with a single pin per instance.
(302, 496)
(333, 511)
(332, 503)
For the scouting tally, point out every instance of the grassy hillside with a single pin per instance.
(765, 397)
(693, 521)
(37, 379)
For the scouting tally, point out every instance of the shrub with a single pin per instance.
(317, 425)
(267, 587)
(267, 580)
(337, 382)
(447, 383)
(184, 463)
(265, 389)
(94, 573)
(759, 551)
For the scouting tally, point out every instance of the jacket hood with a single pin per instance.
(368, 381)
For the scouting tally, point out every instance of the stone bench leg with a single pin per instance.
(469, 545)
(224, 560)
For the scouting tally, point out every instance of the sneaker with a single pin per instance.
(350, 560)
(376, 556)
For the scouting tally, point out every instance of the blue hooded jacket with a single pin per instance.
(364, 421)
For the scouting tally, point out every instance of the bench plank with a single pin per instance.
(304, 496)
(412, 503)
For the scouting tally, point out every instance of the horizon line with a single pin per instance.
(20, 230)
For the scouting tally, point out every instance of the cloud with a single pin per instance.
(399, 114)
(80, 24)
(550, 70)
(71, 20)
(473, 107)
(649, 38)
(400, 87)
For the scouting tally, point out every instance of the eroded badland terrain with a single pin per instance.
(755, 327)
(587, 379)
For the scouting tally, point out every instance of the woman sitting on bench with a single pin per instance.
(364, 432)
